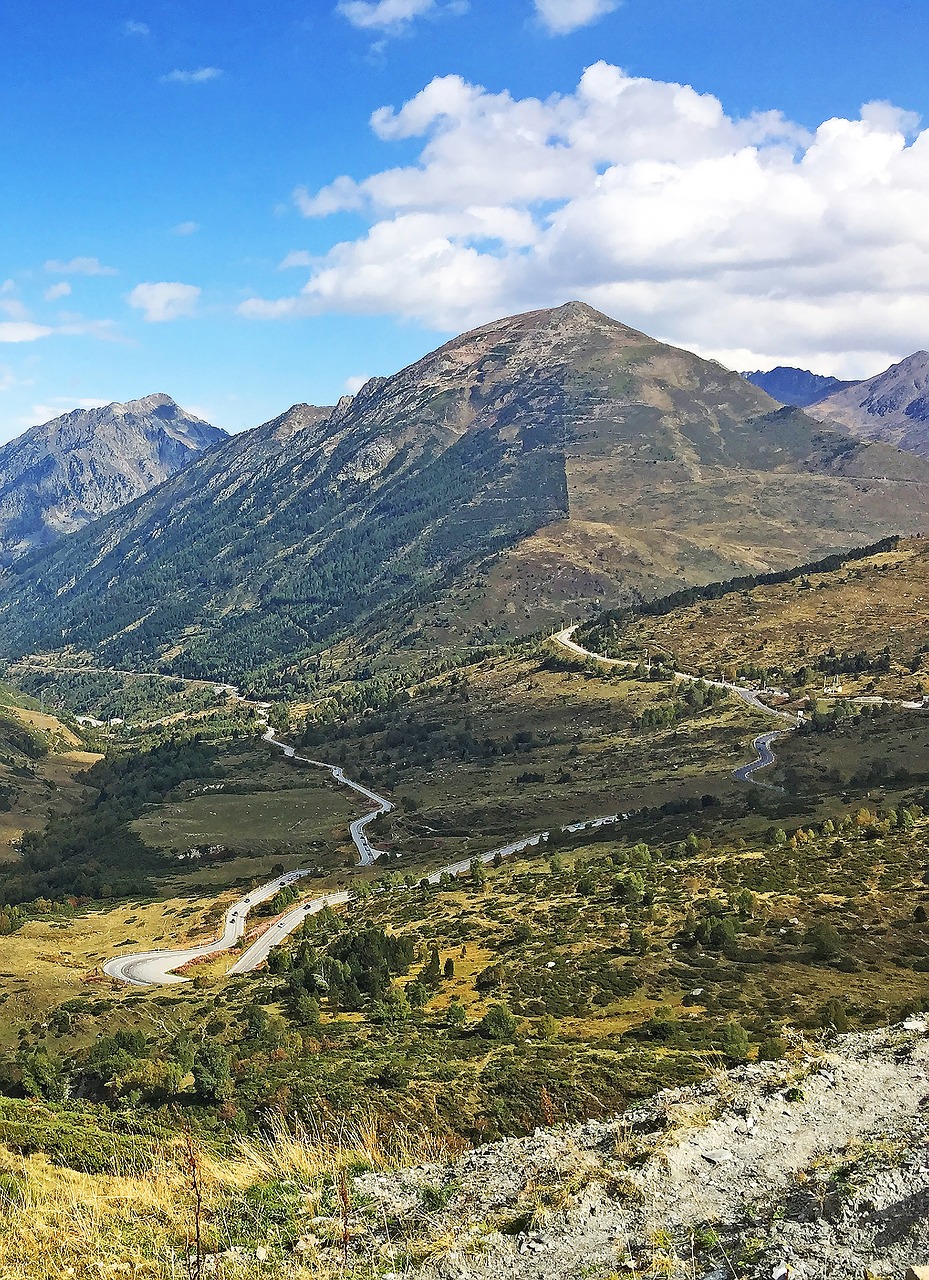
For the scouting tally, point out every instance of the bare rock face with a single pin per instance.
(892, 408)
(813, 1167)
(56, 478)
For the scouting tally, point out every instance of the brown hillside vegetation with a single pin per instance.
(865, 607)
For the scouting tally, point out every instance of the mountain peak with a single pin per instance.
(58, 476)
(915, 365)
(797, 387)
(148, 404)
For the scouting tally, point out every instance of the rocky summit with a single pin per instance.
(56, 478)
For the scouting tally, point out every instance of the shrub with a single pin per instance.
(498, 1023)
(824, 938)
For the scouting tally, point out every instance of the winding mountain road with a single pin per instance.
(764, 756)
(150, 968)
(367, 854)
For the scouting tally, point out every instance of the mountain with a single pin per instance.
(521, 472)
(892, 408)
(797, 387)
(56, 478)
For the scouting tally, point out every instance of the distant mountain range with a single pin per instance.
(519, 474)
(56, 478)
(797, 387)
(892, 407)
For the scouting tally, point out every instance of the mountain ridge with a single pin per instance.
(60, 475)
(537, 464)
(798, 387)
(890, 408)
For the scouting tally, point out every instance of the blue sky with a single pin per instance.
(162, 160)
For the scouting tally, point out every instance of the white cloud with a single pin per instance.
(78, 326)
(131, 28)
(562, 16)
(13, 308)
(392, 17)
(55, 291)
(22, 331)
(164, 300)
(200, 76)
(79, 267)
(354, 384)
(59, 405)
(185, 228)
(296, 258)
(750, 237)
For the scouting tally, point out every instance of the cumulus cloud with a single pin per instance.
(200, 76)
(185, 228)
(355, 383)
(22, 331)
(561, 16)
(79, 267)
(131, 28)
(750, 239)
(55, 291)
(164, 300)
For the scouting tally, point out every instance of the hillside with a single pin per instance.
(707, 944)
(862, 623)
(521, 471)
(56, 478)
(892, 408)
(797, 387)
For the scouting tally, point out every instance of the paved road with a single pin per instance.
(148, 968)
(765, 757)
(366, 850)
(762, 744)
(152, 967)
(259, 951)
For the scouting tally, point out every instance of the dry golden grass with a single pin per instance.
(863, 606)
(50, 960)
(145, 1221)
(46, 788)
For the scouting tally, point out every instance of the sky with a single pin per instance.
(248, 205)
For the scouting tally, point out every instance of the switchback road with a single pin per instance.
(764, 755)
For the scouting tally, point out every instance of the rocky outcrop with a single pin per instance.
(56, 478)
(814, 1167)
